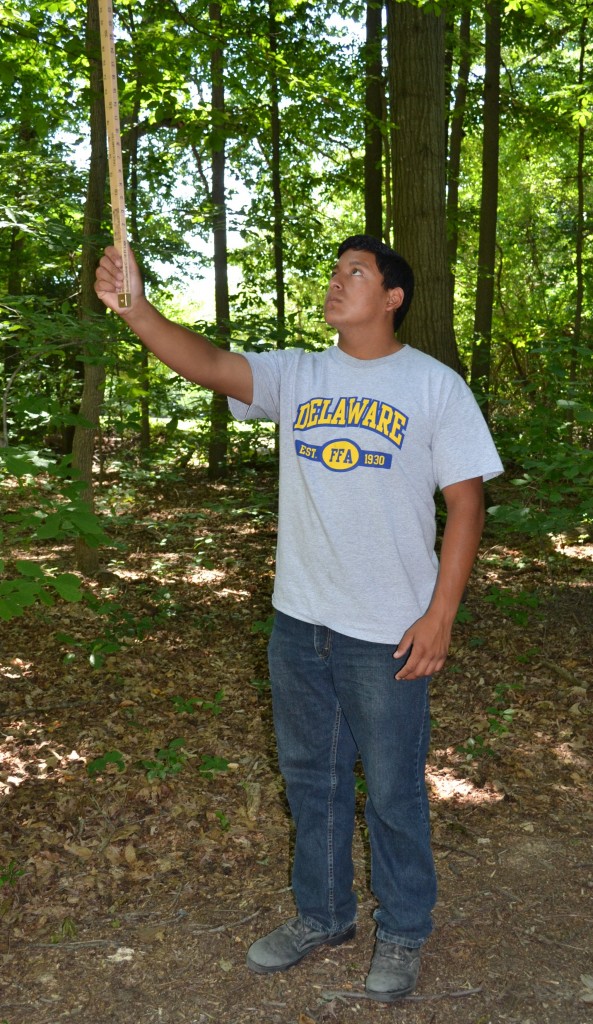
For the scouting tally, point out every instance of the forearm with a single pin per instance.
(428, 638)
(460, 544)
(189, 354)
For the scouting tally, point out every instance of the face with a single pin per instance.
(356, 295)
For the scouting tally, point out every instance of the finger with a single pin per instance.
(404, 646)
(418, 668)
(408, 672)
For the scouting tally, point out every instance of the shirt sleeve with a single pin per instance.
(462, 443)
(266, 368)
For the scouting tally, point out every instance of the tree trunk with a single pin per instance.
(373, 146)
(277, 198)
(10, 353)
(87, 558)
(219, 414)
(482, 342)
(455, 142)
(143, 377)
(278, 215)
(416, 50)
(581, 221)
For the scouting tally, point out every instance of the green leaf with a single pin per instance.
(99, 764)
(51, 528)
(20, 462)
(32, 569)
(87, 522)
(210, 765)
(67, 586)
(8, 610)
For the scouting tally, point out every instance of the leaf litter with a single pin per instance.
(128, 897)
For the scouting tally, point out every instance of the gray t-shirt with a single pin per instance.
(364, 444)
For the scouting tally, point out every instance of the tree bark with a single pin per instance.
(219, 414)
(278, 206)
(87, 558)
(416, 50)
(455, 142)
(143, 375)
(482, 341)
(373, 145)
(581, 221)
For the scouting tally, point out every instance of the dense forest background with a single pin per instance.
(144, 837)
(255, 137)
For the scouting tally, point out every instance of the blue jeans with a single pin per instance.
(333, 698)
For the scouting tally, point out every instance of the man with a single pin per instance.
(369, 429)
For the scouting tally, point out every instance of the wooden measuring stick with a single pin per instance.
(116, 167)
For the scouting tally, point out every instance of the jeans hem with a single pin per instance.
(398, 940)
(311, 923)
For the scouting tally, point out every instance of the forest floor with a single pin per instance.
(135, 871)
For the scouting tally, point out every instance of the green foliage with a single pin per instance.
(167, 762)
(360, 784)
(548, 447)
(261, 685)
(264, 626)
(463, 615)
(223, 821)
(202, 545)
(499, 716)
(212, 765)
(51, 506)
(189, 706)
(549, 504)
(311, 61)
(99, 764)
(10, 874)
(33, 583)
(43, 503)
(118, 625)
(514, 604)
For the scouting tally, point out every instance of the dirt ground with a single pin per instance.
(131, 894)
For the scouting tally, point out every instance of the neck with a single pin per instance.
(361, 346)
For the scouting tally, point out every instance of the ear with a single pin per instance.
(395, 297)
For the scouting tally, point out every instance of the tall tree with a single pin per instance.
(133, 178)
(581, 217)
(90, 306)
(219, 414)
(456, 138)
(373, 143)
(416, 50)
(482, 343)
(276, 173)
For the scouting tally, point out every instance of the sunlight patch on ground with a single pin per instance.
(568, 753)
(22, 759)
(566, 545)
(447, 786)
(200, 575)
(170, 568)
(239, 595)
(16, 668)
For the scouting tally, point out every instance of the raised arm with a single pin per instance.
(186, 352)
(430, 636)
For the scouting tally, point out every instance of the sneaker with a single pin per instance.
(394, 972)
(290, 943)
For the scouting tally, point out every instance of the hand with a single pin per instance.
(109, 283)
(428, 641)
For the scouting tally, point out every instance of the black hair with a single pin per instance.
(395, 270)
